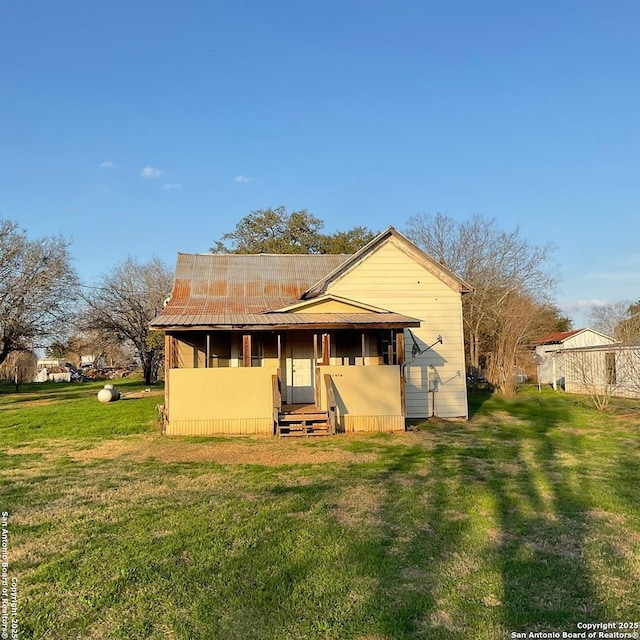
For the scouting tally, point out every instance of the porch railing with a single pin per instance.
(331, 402)
(276, 395)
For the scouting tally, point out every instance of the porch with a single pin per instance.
(284, 383)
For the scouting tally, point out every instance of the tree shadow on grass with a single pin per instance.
(543, 508)
(476, 530)
(438, 562)
(476, 400)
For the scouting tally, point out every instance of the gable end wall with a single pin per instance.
(391, 279)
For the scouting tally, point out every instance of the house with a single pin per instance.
(284, 344)
(550, 367)
(60, 363)
(90, 362)
(606, 370)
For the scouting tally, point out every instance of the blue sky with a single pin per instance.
(142, 128)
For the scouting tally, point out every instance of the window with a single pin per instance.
(219, 349)
(610, 365)
(348, 346)
(388, 347)
(264, 346)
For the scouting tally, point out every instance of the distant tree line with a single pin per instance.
(43, 305)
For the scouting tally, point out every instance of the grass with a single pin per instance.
(57, 410)
(526, 518)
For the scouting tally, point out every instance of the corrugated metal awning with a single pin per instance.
(270, 321)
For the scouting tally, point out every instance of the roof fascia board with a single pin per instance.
(291, 327)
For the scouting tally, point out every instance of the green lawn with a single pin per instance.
(526, 518)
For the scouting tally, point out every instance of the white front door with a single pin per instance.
(302, 370)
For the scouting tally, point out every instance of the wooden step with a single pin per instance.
(301, 430)
(314, 423)
(290, 418)
(303, 434)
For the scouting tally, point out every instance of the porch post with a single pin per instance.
(326, 348)
(246, 350)
(207, 350)
(169, 362)
(400, 346)
(169, 351)
(363, 348)
(400, 356)
(316, 371)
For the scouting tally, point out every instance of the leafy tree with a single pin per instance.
(276, 231)
(121, 308)
(551, 319)
(347, 242)
(38, 287)
(512, 284)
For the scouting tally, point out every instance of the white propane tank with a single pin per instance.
(108, 394)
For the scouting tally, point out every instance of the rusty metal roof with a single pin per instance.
(236, 283)
(208, 285)
(217, 290)
(557, 337)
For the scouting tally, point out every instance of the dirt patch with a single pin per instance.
(359, 506)
(30, 403)
(19, 451)
(134, 395)
(265, 452)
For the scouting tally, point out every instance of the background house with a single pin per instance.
(254, 340)
(606, 370)
(550, 369)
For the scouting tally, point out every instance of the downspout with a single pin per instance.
(433, 388)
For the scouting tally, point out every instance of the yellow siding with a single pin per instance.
(185, 355)
(189, 354)
(367, 398)
(391, 279)
(227, 400)
(241, 426)
(373, 423)
(330, 306)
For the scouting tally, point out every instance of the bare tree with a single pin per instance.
(99, 346)
(19, 367)
(37, 289)
(606, 317)
(591, 372)
(120, 309)
(517, 323)
(503, 268)
(620, 320)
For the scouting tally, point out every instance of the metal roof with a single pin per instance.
(284, 320)
(557, 337)
(239, 283)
